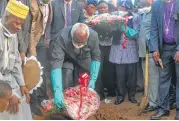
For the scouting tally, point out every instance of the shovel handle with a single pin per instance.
(146, 73)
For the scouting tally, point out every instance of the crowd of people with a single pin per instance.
(55, 32)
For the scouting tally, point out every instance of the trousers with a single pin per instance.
(153, 80)
(107, 72)
(165, 76)
(140, 76)
(126, 78)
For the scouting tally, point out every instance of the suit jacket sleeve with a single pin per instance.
(177, 48)
(95, 51)
(57, 53)
(154, 35)
(82, 17)
(24, 34)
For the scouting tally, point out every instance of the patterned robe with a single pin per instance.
(11, 72)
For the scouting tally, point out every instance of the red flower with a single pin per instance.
(110, 20)
(48, 106)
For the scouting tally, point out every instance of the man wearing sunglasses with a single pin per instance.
(75, 50)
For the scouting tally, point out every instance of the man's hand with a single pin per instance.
(14, 105)
(25, 91)
(4, 104)
(177, 57)
(156, 56)
(22, 56)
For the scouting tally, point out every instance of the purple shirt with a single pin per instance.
(169, 22)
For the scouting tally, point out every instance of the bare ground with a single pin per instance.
(124, 111)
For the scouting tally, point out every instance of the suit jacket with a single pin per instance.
(58, 21)
(24, 34)
(37, 24)
(63, 53)
(156, 37)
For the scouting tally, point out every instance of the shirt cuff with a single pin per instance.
(21, 83)
(177, 48)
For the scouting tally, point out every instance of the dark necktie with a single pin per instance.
(68, 15)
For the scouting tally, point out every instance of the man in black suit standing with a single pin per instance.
(65, 13)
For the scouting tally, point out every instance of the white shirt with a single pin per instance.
(45, 17)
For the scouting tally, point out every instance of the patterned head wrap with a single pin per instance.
(94, 2)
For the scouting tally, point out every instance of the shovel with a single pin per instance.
(144, 101)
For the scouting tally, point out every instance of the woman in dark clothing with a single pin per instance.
(105, 41)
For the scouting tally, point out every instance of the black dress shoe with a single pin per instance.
(159, 114)
(149, 109)
(177, 116)
(133, 100)
(119, 101)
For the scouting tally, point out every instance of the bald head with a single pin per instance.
(5, 90)
(80, 34)
(5, 95)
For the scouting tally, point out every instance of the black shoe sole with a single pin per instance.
(149, 110)
(176, 118)
(133, 102)
(166, 115)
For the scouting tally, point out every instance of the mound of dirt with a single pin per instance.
(124, 111)
(110, 113)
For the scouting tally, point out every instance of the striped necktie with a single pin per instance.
(68, 15)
